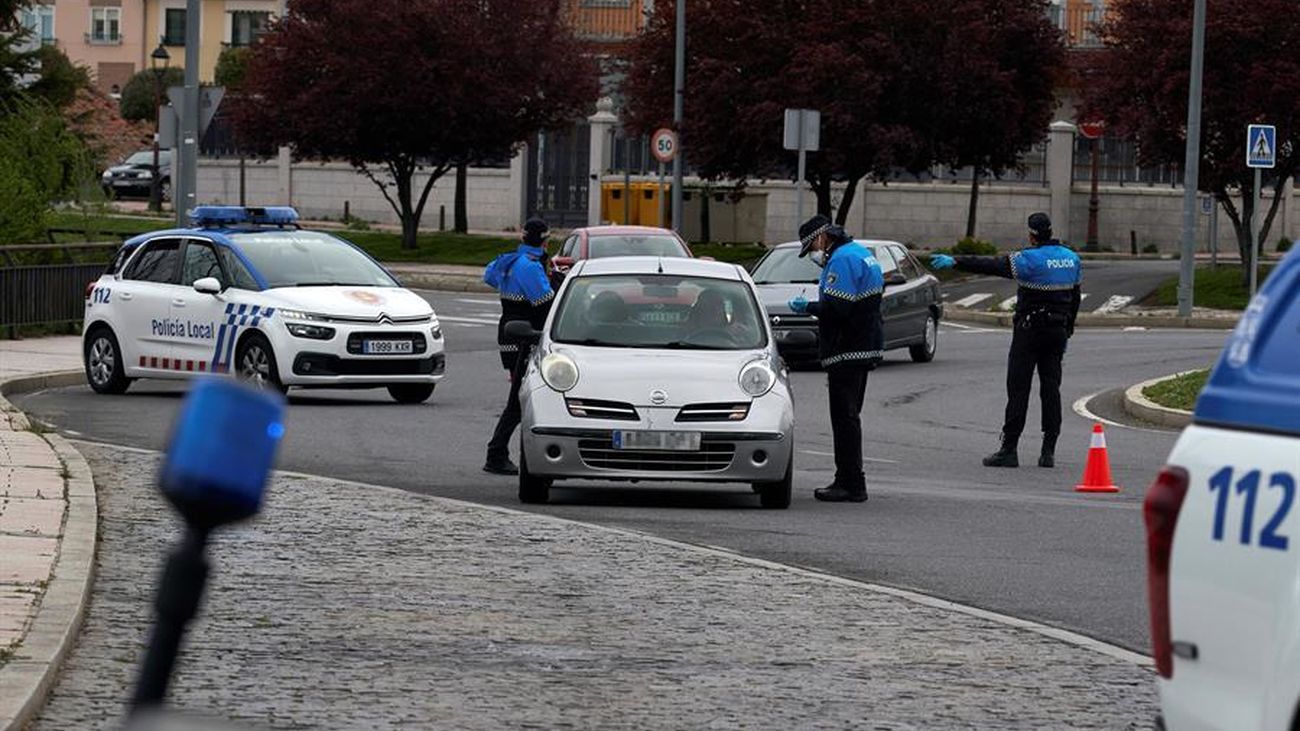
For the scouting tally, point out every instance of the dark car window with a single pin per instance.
(906, 264)
(566, 249)
(886, 259)
(240, 277)
(124, 253)
(599, 247)
(157, 262)
(200, 261)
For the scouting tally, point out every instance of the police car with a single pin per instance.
(249, 293)
(1223, 532)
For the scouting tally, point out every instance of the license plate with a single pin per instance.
(672, 441)
(387, 347)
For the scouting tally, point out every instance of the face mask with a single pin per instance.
(818, 258)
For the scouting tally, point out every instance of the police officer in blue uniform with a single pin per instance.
(1047, 303)
(851, 342)
(526, 294)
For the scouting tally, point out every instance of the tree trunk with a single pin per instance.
(402, 175)
(706, 226)
(974, 204)
(846, 203)
(821, 186)
(461, 224)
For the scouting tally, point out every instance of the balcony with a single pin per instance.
(103, 39)
(607, 20)
(1078, 19)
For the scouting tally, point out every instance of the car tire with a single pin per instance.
(776, 495)
(923, 352)
(533, 490)
(411, 393)
(105, 368)
(255, 363)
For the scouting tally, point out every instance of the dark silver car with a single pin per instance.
(134, 175)
(911, 308)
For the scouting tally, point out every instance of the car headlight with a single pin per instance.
(560, 372)
(757, 378)
(145, 174)
(300, 315)
(314, 332)
(435, 329)
(106, 176)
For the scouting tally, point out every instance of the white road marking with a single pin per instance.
(864, 459)
(973, 300)
(1116, 303)
(1007, 304)
(476, 302)
(474, 320)
(968, 328)
(1080, 407)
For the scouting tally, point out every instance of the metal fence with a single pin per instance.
(42, 293)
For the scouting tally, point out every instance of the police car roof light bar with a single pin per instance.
(215, 216)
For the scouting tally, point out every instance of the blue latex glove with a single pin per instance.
(799, 305)
(942, 261)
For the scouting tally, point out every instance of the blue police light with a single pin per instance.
(222, 450)
(209, 216)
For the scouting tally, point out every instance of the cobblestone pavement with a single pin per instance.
(350, 607)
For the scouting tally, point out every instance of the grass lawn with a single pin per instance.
(1180, 392)
(1218, 288)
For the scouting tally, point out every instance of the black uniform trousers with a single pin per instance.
(1038, 348)
(847, 387)
(499, 446)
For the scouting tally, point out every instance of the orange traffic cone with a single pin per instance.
(1096, 475)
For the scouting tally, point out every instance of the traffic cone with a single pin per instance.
(1096, 475)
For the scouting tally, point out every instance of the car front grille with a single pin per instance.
(585, 408)
(714, 412)
(321, 364)
(793, 320)
(713, 456)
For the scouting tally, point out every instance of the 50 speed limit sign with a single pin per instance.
(663, 145)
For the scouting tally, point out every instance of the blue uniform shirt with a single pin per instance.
(521, 276)
(1048, 268)
(852, 274)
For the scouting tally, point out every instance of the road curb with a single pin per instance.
(1003, 319)
(442, 282)
(26, 679)
(1140, 407)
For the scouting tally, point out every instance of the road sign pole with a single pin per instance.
(679, 94)
(184, 195)
(1214, 235)
(1254, 233)
(660, 195)
(1192, 165)
(803, 168)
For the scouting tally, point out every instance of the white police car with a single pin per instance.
(246, 292)
(1223, 533)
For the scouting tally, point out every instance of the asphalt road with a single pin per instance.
(1015, 541)
(1108, 286)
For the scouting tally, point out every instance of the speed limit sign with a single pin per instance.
(664, 145)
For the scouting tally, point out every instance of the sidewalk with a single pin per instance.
(347, 605)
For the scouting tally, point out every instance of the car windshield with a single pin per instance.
(309, 259)
(600, 247)
(142, 158)
(783, 266)
(659, 311)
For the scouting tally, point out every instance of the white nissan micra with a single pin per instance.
(246, 292)
(1223, 533)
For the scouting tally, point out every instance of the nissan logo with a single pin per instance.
(658, 397)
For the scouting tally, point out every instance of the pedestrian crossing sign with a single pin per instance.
(1261, 146)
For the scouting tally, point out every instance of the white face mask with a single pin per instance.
(818, 258)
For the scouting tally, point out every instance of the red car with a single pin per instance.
(599, 242)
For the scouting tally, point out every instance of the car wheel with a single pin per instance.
(411, 393)
(923, 352)
(776, 495)
(255, 363)
(533, 490)
(104, 365)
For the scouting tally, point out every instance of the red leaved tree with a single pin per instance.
(397, 87)
(1140, 80)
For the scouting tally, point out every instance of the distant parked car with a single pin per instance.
(134, 175)
(600, 242)
(910, 309)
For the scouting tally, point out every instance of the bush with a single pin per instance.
(1284, 245)
(60, 78)
(232, 64)
(138, 94)
(973, 247)
(1150, 249)
(41, 161)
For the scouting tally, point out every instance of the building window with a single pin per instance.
(39, 21)
(246, 26)
(105, 25)
(174, 27)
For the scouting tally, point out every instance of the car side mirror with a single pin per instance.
(208, 285)
(801, 338)
(895, 277)
(521, 331)
(562, 264)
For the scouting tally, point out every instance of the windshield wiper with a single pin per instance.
(681, 345)
(330, 284)
(596, 342)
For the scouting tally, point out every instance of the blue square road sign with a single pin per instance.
(1261, 146)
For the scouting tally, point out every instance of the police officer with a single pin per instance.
(526, 294)
(1047, 303)
(851, 342)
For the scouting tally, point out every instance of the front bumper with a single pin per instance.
(340, 362)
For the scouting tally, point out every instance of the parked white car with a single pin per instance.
(1224, 534)
(246, 292)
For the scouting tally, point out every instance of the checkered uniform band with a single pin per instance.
(812, 236)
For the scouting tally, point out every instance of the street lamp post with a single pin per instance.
(1093, 130)
(158, 61)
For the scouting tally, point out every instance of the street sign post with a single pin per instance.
(663, 145)
(802, 133)
(1261, 153)
(1208, 208)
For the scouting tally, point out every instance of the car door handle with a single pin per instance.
(178, 303)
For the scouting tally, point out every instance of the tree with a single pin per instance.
(60, 79)
(17, 59)
(138, 95)
(232, 67)
(999, 68)
(1139, 86)
(41, 161)
(396, 87)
